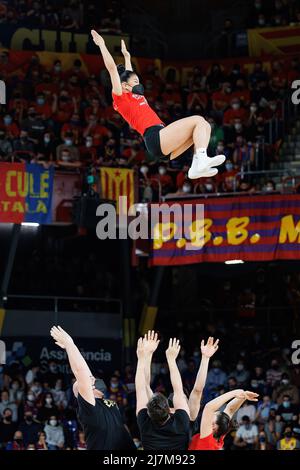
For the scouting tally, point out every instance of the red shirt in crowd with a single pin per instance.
(206, 443)
(232, 114)
(136, 111)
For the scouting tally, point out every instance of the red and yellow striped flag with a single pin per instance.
(116, 182)
(284, 40)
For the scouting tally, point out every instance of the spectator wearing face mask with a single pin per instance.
(134, 153)
(88, 152)
(17, 443)
(274, 373)
(228, 180)
(236, 111)
(63, 107)
(24, 144)
(263, 443)
(16, 393)
(288, 442)
(241, 374)
(70, 146)
(73, 126)
(5, 403)
(243, 154)
(32, 374)
(10, 128)
(164, 179)
(34, 125)
(7, 428)
(242, 92)
(269, 187)
(217, 135)
(263, 409)
(185, 189)
(30, 429)
(221, 99)
(48, 408)
(287, 410)
(216, 377)
(205, 186)
(286, 388)
(118, 390)
(46, 148)
(54, 434)
(30, 404)
(221, 149)
(42, 107)
(59, 395)
(246, 437)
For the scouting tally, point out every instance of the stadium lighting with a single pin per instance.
(234, 261)
(30, 224)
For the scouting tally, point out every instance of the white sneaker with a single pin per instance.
(208, 173)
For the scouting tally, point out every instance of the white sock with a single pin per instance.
(201, 151)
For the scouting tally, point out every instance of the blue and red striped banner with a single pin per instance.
(248, 228)
(25, 193)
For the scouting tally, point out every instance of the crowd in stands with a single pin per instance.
(66, 118)
(274, 13)
(72, 15)
(38, 409)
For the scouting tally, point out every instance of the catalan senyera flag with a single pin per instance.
(285, 40)
(116, 182)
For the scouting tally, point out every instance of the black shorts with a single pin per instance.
(152, 142)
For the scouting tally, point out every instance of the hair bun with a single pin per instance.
(121, 69)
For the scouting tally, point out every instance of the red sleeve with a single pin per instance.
(117, 98)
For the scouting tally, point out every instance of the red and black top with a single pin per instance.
(136, 111)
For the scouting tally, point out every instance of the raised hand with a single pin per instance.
(61, 337)
(246, 395)
(124, 49)
(98, 40)
(209, 349)
(140, 350)
(173, 349)
(150, 342)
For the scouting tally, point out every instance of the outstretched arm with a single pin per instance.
(234, 405)
(207, 350)
(126, 55)
(179, 398)
(150, 343)
(214, 405)
(140, 384)
(109, 63)
(77, 363)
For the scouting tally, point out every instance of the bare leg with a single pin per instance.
(181, 149)
(176, 134)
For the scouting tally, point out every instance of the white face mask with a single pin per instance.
(220, 148)
(235, 106)
(88, 143)
(30, 397)
(144, 170)
(53, 422)
(186, 188)
(48, 400)
(253, 109)
(238, 126)
(208, 187)
(162, 171)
